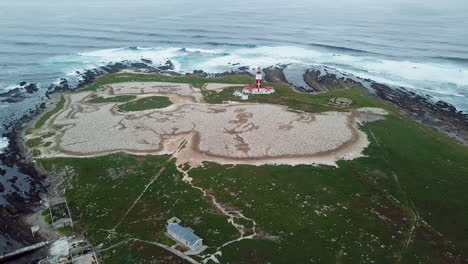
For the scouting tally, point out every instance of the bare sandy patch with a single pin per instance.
(220, 86)
(158, 88)
(196, 132)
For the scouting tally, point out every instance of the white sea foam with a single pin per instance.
(432, 77)
(3, 144)
(10, 87)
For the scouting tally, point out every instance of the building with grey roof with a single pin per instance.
(184, 236)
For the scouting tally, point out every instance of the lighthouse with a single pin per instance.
(258, 78)
(258, 88)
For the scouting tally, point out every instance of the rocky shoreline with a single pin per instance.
(439, 115)
(422, 108)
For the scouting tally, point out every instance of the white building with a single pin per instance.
(258, 90)
(184, 236)
(240, 94)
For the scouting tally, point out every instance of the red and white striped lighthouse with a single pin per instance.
(258, 88)
(258, 78)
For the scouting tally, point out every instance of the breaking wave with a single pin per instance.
(441, 79)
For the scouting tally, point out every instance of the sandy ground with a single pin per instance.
(220, 86)
(232, 133)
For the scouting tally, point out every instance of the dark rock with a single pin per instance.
(440, 115)
(322, 82)
(23, 83)
(12, 93)
(168, 66)
(446, 106)
(275, 74)
(243, 68)
(147, 61)
(139, 65)
(2, 188)
(61, 87)
(14, 179)
(200, 73)
(31, 88)
(2, 172)
(12, 100)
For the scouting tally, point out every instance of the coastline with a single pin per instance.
(441, 116)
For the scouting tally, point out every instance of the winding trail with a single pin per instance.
(232, 215)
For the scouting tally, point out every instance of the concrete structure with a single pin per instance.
(184, 236)
(258, 88)
(240, 94)
(174, 220)
(340, 101)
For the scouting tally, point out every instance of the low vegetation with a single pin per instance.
(43, 119)
(34, 142)
(387, 207)
(103, 189)
(146, 103)
(114, 99)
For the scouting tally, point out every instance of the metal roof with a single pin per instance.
(184, 233)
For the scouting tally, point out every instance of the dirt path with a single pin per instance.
(232, 215)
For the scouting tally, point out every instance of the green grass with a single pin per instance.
(114, 99)
(66, 231)
(43, 119)
(304, 214)
(103, 188)
(48, 135)
(285, 95)
(29, 131)
(146, 103)
(36, 153)
(47, 217)
(34, 142)
(430, 169)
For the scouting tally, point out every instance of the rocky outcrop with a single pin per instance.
(147, 61)
(198, 73)
(440, 115)
(19, 93)
(168, 66)
(323, 81)
(275, 74)
(31, 88)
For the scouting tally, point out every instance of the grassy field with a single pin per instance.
(388, 207)
(47, 115)
(365, 208)
(102, 189)
(146, 103)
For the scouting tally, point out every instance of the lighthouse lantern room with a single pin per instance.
(258, 88)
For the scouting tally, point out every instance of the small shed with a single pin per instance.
(184, 236)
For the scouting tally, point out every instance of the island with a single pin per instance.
(156, 168)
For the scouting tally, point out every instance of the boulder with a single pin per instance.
(168, 66)
(31, 88)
